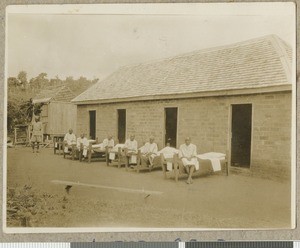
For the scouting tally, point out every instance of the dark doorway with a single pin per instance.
(121, 125)
(241, 126)
(171, 126)
(92, 114)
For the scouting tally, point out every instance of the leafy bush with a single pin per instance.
(27, 207)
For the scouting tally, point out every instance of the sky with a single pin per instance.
(96, 41)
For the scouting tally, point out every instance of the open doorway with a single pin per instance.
(171, 126)
(241, 126)
(92, 116)
(121, 125)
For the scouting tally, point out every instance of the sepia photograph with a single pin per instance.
(147, 117)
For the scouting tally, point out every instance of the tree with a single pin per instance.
(55, 81)
(29, 108)
(13, 82)
(39, 81)
(20, 109)
(70, 79)
(13, 115)
(42, 78)
(22, 77)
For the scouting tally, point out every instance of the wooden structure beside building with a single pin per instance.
(235, 98)
(21, 135)
(58, 113)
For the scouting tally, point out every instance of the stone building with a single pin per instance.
(234, 99)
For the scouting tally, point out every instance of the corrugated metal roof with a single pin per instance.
(256, 63)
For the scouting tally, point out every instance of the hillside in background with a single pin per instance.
(21, 90)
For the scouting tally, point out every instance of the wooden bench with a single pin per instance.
(128, 156)
(119, 158)
(164, 161)
(157, 163)
(92, 153)
(72, 151)
(58, 144)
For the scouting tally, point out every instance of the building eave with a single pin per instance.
(67, 102)
(42, 100)
(214, 93)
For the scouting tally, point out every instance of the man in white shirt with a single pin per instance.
(168, 151)
(108, 143)
(69, 140)
(148, 152)
(131, 148)
(79, 141)
(131, 145)
(168, 154)
(82, 145)
(37, 133)
(188, 156)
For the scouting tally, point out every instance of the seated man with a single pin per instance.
(168, 151)
(108, 143)
(69, 140)
(114, 152)
(148, 152)
(131, 150)
(82, 145)
(168, 154)
(188, 155)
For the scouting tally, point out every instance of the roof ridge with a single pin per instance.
(205, 50)
(281, 48)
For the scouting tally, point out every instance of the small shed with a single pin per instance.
(21, 134)
(58, 113)
(234, 99)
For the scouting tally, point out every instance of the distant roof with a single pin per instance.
(58, 94)
(252, 64)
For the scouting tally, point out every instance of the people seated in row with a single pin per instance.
(131, 149)
(109, 143)
(188, 156)
(82, 145)
(168, 151)
(69, 140)
(149, 152)
(187, 151)
(131, 145)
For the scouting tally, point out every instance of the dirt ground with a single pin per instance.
(104, 196)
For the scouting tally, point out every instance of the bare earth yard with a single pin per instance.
(213, 201)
